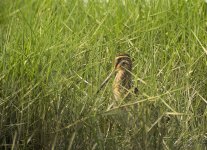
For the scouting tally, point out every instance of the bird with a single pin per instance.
(122, 84)
(124, 91)
(123, 79)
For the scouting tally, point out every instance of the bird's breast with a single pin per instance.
(122, 84)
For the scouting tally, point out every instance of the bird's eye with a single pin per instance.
(124, 63)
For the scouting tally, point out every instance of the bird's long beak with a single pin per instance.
(106, 80)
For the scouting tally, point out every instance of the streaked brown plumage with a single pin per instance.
(123, 80)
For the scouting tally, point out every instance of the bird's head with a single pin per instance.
(123, 62)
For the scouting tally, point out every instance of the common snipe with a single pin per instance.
(122, 85)
(123, 80)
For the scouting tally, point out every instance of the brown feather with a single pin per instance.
(122, 83)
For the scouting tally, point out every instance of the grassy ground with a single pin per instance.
(54, 54)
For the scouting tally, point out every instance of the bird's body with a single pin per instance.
(123, 80)
(123, 89)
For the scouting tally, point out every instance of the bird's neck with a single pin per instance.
(123, 77)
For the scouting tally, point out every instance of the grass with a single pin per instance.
(54, 55)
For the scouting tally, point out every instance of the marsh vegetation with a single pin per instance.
(54, 55)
